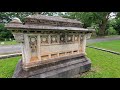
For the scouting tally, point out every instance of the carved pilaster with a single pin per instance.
(83, 43)
(19, 37)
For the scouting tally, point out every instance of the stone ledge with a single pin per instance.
(50, 62)
(62, 70)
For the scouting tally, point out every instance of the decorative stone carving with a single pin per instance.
(44, 39)
(19, 37)
(69, 38)
(54, 39)
(62, 38)
(33, 47)
(16, 20)
(76, 38)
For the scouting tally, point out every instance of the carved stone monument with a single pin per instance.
(52, 47)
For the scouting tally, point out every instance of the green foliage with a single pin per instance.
(88, 18)
(6, 17)
(117, 25)
(111, 31)
(4, 33)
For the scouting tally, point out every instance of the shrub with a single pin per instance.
(4, 33)
(111, 31)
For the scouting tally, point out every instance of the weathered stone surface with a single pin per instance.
(52, 20)
(67, 69)
(58, 42)
(19, 37)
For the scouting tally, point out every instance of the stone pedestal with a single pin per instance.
(67, 68)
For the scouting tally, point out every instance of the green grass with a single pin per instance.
(8, 43)
(7, 67)
(104, 65)
(110, 45)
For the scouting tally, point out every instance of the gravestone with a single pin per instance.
(52, 47)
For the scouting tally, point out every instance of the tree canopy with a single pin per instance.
(101, 21)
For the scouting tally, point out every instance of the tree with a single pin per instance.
(88, 18)
(116, 23)
(6, 17)
(4, 33)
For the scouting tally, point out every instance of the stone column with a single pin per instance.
(83, 43)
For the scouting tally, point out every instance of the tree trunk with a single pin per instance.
(102, 26)
(102, 29)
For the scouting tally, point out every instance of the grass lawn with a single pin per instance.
(104, 65)
(110, 45)
(8, 43)
(7, 67)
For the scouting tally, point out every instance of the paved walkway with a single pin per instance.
(103, 39)
(10, 49)
(17, 49)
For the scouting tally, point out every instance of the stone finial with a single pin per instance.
(28, 16)
(15, 20)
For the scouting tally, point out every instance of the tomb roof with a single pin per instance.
(53, 18)
(42, 22)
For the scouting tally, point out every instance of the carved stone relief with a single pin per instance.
(81, 42)
(76, 38)
(33, 47)
(44, 39)
(62, 38)
(54, 39)
(69, 38)
(19, 37)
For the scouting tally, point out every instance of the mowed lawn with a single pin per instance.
(113, 45)
(104, 64)
(7, 67)
(3, 43)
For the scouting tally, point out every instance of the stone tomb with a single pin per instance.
(52, 47)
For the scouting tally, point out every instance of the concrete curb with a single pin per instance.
(10, 55)
(117, 53)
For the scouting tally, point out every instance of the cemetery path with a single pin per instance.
(17, 49)
(102, 39)
(10, 49)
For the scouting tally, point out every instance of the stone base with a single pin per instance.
(64, 69)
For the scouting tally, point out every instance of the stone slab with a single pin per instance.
(67, 69)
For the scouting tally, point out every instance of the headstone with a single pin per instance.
(52, 47)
